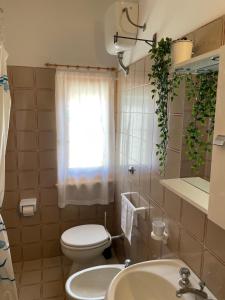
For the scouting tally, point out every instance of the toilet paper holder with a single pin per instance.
(28, 203)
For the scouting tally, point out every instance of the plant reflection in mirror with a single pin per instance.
(201, 91)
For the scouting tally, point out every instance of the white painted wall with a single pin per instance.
(71, 31)
(57, 31)
(173, 18)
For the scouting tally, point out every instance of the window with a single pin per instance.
(85, 137)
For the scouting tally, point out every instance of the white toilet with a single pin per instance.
(84, 245)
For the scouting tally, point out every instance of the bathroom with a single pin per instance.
(47, 47)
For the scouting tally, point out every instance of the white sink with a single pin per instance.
(151, 280)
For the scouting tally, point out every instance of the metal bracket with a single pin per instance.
(120, 54)
(219, 140)
(120, 59)
(149, 42)
(143, 27)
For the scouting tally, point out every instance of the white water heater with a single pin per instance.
(117, 23)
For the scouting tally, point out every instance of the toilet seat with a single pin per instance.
(85, 236)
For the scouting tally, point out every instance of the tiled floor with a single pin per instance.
(42, 279)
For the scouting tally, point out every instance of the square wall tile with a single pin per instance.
(31, 234)
(32, 251)
(11, 161)
(47, 140)
(191, 252)
(10, 180)
(23, 77)
(45, 99)
(27, 160)
(50, 214)
(175, 131)
(26, 141)
(215, 239)
(87, 212)
(24, 99)
(45, 78)
(51, 248)
(14, 236)
(174, 236)
(16, 253)
(11, 200)
(47, 159)
(26, 120)
(193, 220)
(214, 275)
(50, 232)
(48, 178)
(46, 120)
(173, 164)
(156, 189)
(70, 213)
(11, 141)
(49, 197)
(28, 180)
(11, 218)
(172, 205)
(35, 220)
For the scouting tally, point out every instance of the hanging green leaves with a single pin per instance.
(201, 90)
(164, 86)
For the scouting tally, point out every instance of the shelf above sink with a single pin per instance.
(188, 192)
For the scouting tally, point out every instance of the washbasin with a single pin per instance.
(151, 280)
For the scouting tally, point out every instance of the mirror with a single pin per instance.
(198, 91)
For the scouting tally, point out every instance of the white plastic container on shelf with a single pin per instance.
(181, 51)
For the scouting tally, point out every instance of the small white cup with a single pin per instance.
(158, 227)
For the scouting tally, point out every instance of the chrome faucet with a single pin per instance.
(127, 263)
(186, 288)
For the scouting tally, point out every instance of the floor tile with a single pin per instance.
(32, 265)
(31, 277)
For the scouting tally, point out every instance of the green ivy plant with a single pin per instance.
(164, 87)
(201, 90)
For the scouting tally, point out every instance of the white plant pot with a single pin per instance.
(181, 51)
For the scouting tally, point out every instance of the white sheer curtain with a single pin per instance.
(85, 137)
(5, 105)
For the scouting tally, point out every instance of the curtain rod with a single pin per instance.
(80, 67)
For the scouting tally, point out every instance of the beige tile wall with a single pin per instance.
(31, 169)
(192, 237)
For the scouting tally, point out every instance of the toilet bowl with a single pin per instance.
(84, 244)
(91, 283)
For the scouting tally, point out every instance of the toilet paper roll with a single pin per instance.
(28, 211)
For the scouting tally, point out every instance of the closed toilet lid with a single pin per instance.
(85, 235)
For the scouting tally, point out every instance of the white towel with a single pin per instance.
(128, 216)
(8, 289)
